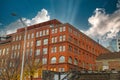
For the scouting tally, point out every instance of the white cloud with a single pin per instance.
(104, 25)
(42, 16)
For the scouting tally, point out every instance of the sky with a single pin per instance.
(99, 19)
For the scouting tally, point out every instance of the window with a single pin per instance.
(37, 52)
(44, 50)
(70, 60)
(7, 50)
(75, 50)
(18, 46)
(44, 33)
(61, 59)
(62, 48)
(70, 30)
(14, 54)
(53, 49)
(54, 30)
(70, 48)
(53, 60)
(18, 54)
(75, 41)
(40, 33)
(12, 47)
(62, 29)
(10, 64)
(20, 37)
(75, 61)
(15, 47)
(54, 39)
(32, 36)
(47, 32)
(62, 38)
(27, 52)
(70, 38)
(51, 25)
(31, 43)
(28, 37)
(38, 42)
(31, 52)
(44, 61)
(28, 44)
(4, 51)
(16, 38)
(37, 34)
(45, 42)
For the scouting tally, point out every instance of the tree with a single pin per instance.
(32, 66)
(10, 68)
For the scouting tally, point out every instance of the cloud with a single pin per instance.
(104, 25)
(42, 16)
(118, 4)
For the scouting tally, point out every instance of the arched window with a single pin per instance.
(61, 59)
(53, 60)
(75, 61)
(70, 60)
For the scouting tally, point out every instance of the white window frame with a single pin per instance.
(32, 35)
(47, 32)
(53, 60)
(61, 48)
(20, 37)
(54, 49)
(45, 50)
(31, 43)
(37, 34)
(44, 60)
(28, 36)
(41, 33)
(44, 33)
(75, 61)
(70, 60)
(45, 41)
(37, 52)
(61, 59)
(38, 43)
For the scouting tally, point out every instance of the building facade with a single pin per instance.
(109, 61)
(60, 47)
(118, 41)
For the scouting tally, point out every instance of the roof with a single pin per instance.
(54, 21)
(114, 55)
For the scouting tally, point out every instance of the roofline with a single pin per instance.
(53, 21)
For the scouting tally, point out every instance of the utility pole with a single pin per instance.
(24, 47)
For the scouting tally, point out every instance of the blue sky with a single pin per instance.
(87, 15)
(76, 12)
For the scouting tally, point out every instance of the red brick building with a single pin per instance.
(109, 61)
(61, 47)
